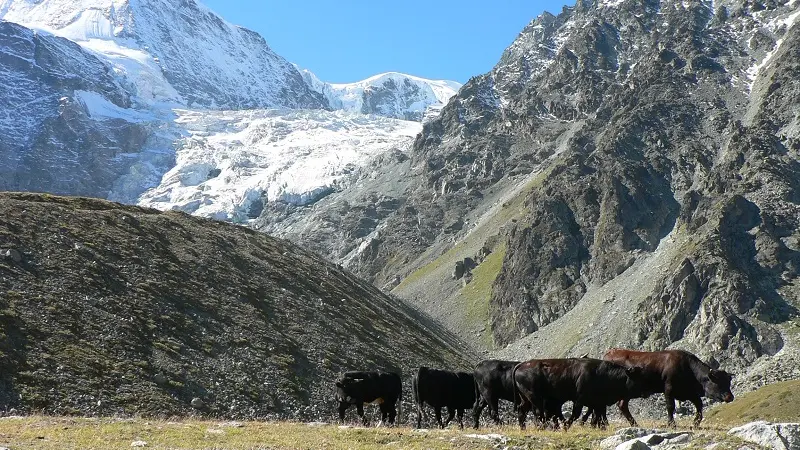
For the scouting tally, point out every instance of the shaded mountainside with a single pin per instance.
(49, 140)
(109, 309)
(635, 166)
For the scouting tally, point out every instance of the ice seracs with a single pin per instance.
(232, 162)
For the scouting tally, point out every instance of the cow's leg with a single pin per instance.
(494, 411)
(576, 412)
(623, 408)
(360, 411)
(522, 412)
(670, 409)
(392, 413)
(342, 408)
(460, 415)
(477, 409)
(384, 407)
(585, 417)
(437, 410)
(451, 412)
(698, 416)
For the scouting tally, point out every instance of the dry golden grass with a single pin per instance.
(42, 432)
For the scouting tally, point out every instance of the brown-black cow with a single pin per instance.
(381, 388)
(679, 374)
(544, 385)
(440, 388)
(493, 382)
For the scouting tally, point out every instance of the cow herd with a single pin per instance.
(543, 386)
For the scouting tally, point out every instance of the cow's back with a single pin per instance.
(673, 367)
(440, 388)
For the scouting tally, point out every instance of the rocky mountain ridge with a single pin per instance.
(634, 167)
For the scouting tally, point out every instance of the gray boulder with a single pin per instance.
(778, 436)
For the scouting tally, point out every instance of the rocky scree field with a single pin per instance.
(116, 310)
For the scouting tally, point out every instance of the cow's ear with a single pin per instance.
(339, 384)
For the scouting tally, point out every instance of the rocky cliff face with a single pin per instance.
(205, 61)
(639, 159)
(50, 138)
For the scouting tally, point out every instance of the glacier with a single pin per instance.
(201, 115)
(233, 160)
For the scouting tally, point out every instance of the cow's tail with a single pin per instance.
(514, 388)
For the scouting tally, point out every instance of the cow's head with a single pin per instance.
(717, 385)
(345, 389)
(637, 380)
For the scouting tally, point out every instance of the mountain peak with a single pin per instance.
(189, 53)
(390, 94)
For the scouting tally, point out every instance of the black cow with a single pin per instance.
(679, 374)
(493, 382)
(544, 385)
(381, 388)
(440, 388)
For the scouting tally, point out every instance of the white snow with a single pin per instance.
(99, 107)
(288, 156)
(413, 94)
(753, 71)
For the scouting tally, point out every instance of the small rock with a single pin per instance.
(197, 403)
(138, 444)
(633, 445)
(232, 424)
(160, 378)
(458, 270)
(12, 254)
(215, 431)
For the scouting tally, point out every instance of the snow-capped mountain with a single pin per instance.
(173, 51)
(112, 89)
(232, 163)
(391, 94)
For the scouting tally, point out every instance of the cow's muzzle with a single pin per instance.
(728, 397)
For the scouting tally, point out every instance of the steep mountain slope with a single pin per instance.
(108, 309)
(635, 166)
(205, 61)
(68, 125)
(392, 94)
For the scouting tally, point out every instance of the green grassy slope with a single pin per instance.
(777, 402)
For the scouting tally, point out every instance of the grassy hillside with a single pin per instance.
(110, 309)
(64, 433)
(777, 402)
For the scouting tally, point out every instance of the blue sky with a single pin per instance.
(349, 40)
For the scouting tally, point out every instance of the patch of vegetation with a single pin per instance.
(777, 402)
(477, 294)
(65, 433)
(513, 209)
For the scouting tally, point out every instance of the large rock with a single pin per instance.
(642, 438)
(777, 436)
